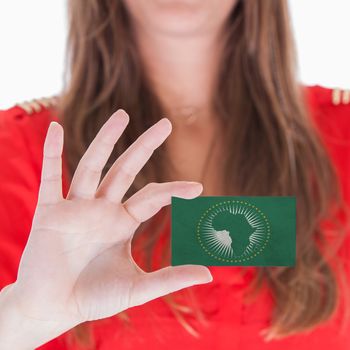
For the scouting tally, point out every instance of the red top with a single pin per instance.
(232, 323)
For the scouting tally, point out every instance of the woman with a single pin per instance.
(237, 123)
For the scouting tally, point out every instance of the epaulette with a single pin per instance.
(340, 96)
(37, 104)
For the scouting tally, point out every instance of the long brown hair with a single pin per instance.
(272, 146)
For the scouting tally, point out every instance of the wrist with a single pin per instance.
(21, 331)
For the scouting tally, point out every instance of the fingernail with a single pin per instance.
(206, 279)
(166, 122)
(210, 276)
(194, 183)
(121, 115)
(54, 128)
(205, 275)
(197, 186)
(53, 124)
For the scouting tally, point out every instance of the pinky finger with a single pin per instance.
(50, 190)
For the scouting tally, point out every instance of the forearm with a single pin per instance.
(20, 331)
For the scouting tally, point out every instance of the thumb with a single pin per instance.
(169, 279)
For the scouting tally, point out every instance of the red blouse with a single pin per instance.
(232, 322)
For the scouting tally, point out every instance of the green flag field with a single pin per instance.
(227, 230)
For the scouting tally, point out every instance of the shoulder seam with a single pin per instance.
(37, 104)
(340, 96)
(329, 96)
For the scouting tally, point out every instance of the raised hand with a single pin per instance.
(77, 264)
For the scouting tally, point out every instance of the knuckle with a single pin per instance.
(146, 148)
(151, 186)
(88, 167)
(104, 143)
(51, 178)
(48, 156)
(167, 274)
(126, 173)
(153, 206)
(135, 219)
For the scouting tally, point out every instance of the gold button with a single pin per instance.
(36, 105)
(346, 97)
(336, 96)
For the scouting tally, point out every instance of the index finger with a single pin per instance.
(88, 173)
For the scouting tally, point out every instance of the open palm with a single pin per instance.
(77, 263)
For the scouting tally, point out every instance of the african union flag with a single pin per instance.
(250, 231)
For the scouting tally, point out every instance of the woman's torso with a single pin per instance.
(232, 322)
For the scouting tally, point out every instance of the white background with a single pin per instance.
(33, 35)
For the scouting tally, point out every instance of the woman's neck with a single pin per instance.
(182, 71)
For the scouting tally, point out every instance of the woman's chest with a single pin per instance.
(226, 321)
(198, 159)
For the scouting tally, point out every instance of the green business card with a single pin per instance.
(230, 230)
